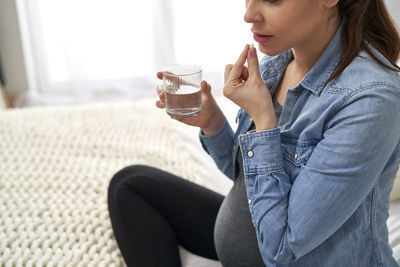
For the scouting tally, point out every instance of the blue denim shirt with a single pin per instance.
(318, 185)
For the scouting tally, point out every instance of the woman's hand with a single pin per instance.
(210, 118)
(245, 87)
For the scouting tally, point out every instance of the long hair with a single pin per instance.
(367, 22)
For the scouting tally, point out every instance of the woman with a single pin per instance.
(313, 159)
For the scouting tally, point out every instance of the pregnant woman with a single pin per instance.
(313, 159)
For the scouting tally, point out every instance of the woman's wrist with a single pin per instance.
(265, 127)
(214, 125)
(265, 122)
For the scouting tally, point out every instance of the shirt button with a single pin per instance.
(234, 147)
(249, 201)
(294, 93)
(250, 153)
(296, 156)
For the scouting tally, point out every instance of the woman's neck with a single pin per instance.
(307, 54)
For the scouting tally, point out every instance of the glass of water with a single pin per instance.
(182, 90)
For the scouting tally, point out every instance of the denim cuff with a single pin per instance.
(220, 143)
(261, 151)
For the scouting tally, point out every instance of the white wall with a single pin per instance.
(11, 53)
(394, 9)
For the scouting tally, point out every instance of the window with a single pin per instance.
(84, 48)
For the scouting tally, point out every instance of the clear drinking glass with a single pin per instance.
(182, 89)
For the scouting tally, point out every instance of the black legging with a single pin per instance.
(153, 211)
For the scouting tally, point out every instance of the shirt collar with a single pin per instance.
(319, 73)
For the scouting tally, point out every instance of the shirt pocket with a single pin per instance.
(298, 152)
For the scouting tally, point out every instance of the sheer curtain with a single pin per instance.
(84, 50)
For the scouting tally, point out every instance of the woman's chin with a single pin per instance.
(269, 50)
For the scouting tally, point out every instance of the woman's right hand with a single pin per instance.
(210, 119)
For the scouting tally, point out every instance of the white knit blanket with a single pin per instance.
(55, 166)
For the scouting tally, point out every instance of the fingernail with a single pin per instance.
(253, 50)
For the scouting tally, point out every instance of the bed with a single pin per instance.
(55, 166)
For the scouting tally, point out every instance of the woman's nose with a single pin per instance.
(252, 15)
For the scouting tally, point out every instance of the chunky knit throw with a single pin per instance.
(55, 166)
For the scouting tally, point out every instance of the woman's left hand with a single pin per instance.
(245, 87)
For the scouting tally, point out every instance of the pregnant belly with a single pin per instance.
(234, 233)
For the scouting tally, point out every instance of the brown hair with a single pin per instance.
(367, 22)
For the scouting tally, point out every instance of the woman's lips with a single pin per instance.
(261, 38)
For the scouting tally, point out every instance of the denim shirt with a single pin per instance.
(318, 185)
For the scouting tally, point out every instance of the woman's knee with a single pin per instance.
(124, 177)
